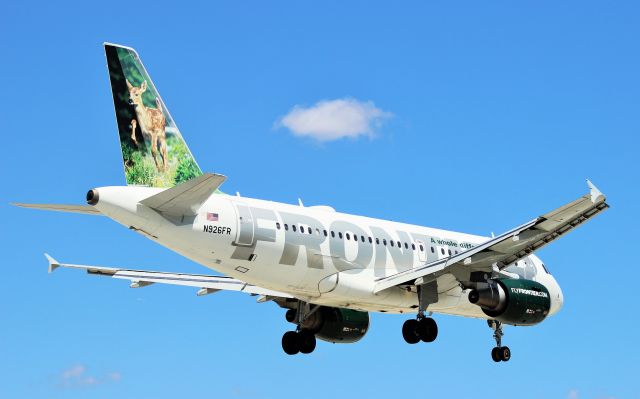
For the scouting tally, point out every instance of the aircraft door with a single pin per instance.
(245, 231)
(422, 253)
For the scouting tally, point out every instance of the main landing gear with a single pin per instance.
(423, 328)
(499, 353)
(301, 340)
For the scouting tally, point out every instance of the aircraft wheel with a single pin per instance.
(290, 343)
(495, 355)
(428, 329)
(505, 353)
(290, 315)
(410, 331)
(306, 341)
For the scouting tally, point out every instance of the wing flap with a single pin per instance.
(141, 278)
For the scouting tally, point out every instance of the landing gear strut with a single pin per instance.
(422, 328)
(302, 340)
(499, 353)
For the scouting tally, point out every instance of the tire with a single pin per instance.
(495, 355)
(428, 329)
(290, 343)
(410, 331)
(306, 342)
(290, 315)
(505, 354)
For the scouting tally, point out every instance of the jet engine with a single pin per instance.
(513, 301)
(335, 325)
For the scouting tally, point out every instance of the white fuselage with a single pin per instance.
(313, 253)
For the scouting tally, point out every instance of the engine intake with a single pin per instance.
(513, 301)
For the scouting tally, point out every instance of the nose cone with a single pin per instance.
(557, 298)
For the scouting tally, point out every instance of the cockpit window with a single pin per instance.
(545, 268)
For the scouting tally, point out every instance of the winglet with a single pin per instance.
(596, 195)
(53, 264)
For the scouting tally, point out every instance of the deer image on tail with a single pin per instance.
(152, 124)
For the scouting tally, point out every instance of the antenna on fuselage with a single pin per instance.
(300, 202)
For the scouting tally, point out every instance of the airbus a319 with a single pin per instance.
(327, 269)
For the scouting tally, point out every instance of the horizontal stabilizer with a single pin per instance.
(186, 198)
(86, 209)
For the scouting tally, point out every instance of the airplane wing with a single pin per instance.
(85, 209)
(499, 252)
(142, 278)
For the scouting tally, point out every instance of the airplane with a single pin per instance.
(328, 269)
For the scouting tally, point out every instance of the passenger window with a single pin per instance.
(340, 234)
(413, 246)
(391, 243)
(347, 235)
(325, 232)
(421, 248)
(278, 225)
(309, 230)
(399, 245)
(384, 241)
(333, 234)
(286, 227)
(449, 252)
(406, 246)
(377, 241)
(370, 240)
(293, 227)
(362, 238)
(433, 251)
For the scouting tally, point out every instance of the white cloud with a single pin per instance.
(77, 377)
(330, 120)
(114, 376)
(73, 372)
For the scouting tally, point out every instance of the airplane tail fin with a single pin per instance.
(153, 150)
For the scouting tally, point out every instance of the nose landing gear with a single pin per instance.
(499, 353)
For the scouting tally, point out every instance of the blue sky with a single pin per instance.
(495, 112)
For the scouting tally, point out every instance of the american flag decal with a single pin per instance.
(212, 217)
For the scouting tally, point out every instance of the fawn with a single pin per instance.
(152, 124)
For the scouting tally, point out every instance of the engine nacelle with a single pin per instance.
(513, 301)
(337, 325)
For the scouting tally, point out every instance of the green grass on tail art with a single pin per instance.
(142, 170)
